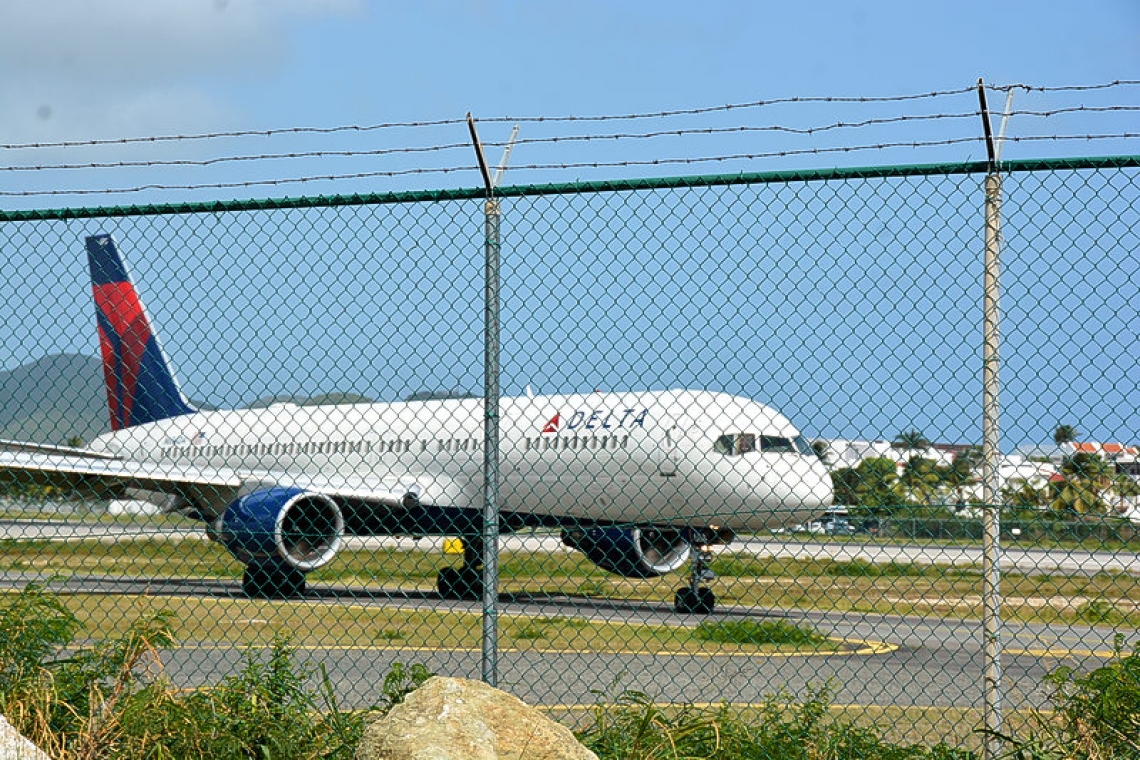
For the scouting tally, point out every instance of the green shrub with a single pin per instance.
(1095, 715)
(632, 727)
(758, 633)
(263, 712)
(111, 700)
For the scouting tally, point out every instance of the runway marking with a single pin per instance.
(862, 649)
(1062, 653)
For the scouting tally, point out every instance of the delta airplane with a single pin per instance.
(640, 482)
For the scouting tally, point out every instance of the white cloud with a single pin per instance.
(75, 69)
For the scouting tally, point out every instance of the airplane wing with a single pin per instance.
(108, 476)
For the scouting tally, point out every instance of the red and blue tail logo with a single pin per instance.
(140, 386)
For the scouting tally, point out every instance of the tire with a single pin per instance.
(262, 582)
(700, 602)
(460, 583)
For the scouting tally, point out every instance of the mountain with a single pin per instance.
(324, 399)
(53, 400)
(61, 397)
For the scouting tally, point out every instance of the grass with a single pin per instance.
(767, 582)
(206, 622)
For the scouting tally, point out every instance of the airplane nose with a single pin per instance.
(813, 489)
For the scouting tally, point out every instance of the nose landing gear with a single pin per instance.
(696, 599)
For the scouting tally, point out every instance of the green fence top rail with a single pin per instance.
(571, 188)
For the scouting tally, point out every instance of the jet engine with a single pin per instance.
(637, 552)
(282, 527)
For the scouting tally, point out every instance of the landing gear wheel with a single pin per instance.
(261, 582)
(699, 601)
(462, 583)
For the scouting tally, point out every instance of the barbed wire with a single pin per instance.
(676, 161)
(573, 137)
(683, 132)
(555, 119)
(1068, 87)
(611, 137)
(487, 120)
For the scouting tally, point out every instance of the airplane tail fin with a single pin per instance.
(141, 387)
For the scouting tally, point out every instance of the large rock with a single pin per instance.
(459, 719)
(14, 746)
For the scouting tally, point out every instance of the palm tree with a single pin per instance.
(961, 472)
(1125, 488)
(921, 478)
(1086, 478)
(876, 483)
(1020, 494)
(1065, 434)
(911, 440)
(822, 450)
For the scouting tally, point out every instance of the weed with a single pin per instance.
(858, 568)
(632, 727)
(758, 633)
(113, 700)
(401, 681)
(1099, 611)
(528, 632)
(592, 587)
(388, 634)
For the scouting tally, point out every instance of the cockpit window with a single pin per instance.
(743, 443)
(737, 443)
(776, 444)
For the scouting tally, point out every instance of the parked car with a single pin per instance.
(829, 526)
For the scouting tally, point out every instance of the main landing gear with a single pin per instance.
(272, 581)
(465, 582)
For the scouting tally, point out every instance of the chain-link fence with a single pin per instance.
(693, 370)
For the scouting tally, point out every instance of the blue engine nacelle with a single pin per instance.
(631, 552)
(300, 529)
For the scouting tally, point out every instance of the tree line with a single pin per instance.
(1086, 483)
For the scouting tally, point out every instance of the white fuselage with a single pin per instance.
(672, 457)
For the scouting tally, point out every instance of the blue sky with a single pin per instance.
(76, 70)
(80, 71)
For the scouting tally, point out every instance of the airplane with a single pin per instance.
(640, 482)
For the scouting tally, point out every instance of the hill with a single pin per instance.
(61, 397)
(53, 400)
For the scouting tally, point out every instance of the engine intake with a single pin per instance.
(301, 528)
(631, 552)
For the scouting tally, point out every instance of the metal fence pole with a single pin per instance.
(991, 550)
(492, 210)
(991, 451)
